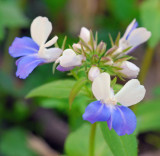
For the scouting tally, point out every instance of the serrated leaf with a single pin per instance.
(119, 145)
(55, 89)
(76, 89)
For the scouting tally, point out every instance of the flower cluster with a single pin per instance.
(97, 61)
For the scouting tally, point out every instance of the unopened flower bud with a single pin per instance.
(101, 47)
(129, 69)
(107, 60)
(76, 46)
(93, 73)
(85, 34)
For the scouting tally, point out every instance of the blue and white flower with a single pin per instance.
(68, 60)
(114, 108)
(133, 37)
(34, 51)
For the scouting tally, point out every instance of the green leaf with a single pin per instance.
(55, 89)
(76, 89)
(77, 143)
(150, 17)
(117, 87)
(62, 104)
(148, 118)
(156, 91)
(123, 10)
(6, 84)
(57, 5)
(11, 15)
(119, 145)
(14, 143)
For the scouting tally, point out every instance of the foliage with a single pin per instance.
(119, 145)
(77, 143)
(150, 18)
(15, 110)
(148, 116)
(11, 16)
(123, 10)
(14, 142)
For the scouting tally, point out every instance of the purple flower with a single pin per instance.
(106, 108)
(33, 51)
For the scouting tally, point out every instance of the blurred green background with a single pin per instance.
(39, 126)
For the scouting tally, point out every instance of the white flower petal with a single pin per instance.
(93, 73)
(131, 93)
(129, 69)
(129, 28)
(51, 42)
(85, 34)
(139, 36)
(101, 86)
(51, 54)
(69, 58)
(41, 27)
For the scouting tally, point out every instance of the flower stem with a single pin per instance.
(147, 60)
(92, 140)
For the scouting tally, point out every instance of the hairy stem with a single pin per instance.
(92, 140)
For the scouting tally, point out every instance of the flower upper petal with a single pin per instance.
(129, 69)
(101, 86)
(41, 27)
(131, 93)
(85, 34)
(69, 59)
(23, 46)
(26, 64)
(96, 111)
(122, 120)
(51, 54)
(130, 28)
(139, 36)
(51, 42)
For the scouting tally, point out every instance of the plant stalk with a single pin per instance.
(92, 140)
(147, 60)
